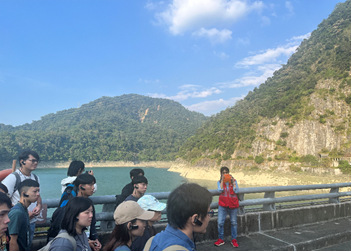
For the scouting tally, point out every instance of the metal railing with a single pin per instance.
(268, 202)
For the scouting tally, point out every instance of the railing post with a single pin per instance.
(241, 210)
(107, 225)
(336, 199)
(269, 207)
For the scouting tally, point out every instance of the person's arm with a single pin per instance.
(236, 187)
(13, 243)
(95, 245)
(93, 233)
(61, 244)
(10, 182)
(37, 209)
(220, 186)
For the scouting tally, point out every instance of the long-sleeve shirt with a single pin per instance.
(235, 188)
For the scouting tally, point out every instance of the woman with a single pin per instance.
(78, 216)
(130, 223)
(75, 168)
(148, 203)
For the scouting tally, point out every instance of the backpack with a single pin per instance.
(67, 195)
(64, 235)
(57, 216)
(18, 180)
(170, 248)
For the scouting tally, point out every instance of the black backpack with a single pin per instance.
(57, 216)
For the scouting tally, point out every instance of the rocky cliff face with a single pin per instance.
(326, 127)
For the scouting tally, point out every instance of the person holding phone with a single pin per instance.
(228, 204)
(130, 222)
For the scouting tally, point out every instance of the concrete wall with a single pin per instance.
(259, 221)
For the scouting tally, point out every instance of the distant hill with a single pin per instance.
(128, 128)
(304, 109)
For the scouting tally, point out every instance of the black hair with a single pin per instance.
(135, 172)
(139, 179)
(84, 178)
(224, 168)
(73, 208)
(24, 155)
(119, 236)
(75, 167)
(4, 199)
(4, 188)
(185, 201)
(24, 185)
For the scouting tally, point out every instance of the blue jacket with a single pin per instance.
(169, 237)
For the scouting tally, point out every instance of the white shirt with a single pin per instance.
(10, 182)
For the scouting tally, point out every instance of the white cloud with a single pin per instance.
(290, 7)
(299, 38)
(221, 55)
(184, 15)
(265, 21)
(251, 80)
(215, 36)
(270, 55)
(188, 91)
(150, 5)
(147, 81)
(213, 106)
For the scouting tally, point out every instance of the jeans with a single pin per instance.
(31, 233)
(222, 214)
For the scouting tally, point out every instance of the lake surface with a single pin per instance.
(110, 180)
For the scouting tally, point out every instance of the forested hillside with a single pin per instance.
(268, 115)
(128, 128)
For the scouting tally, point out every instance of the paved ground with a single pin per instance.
(331, 236)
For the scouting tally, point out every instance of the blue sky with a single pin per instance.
(205, 54)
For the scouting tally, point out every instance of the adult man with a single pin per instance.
(84, 186)
(128, 189)
(140, 186)
(19, 226)
(5, 205)
(188, 212)
(28, 161)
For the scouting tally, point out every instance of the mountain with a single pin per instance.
(302, 110)
(128, 127)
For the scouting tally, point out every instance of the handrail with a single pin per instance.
(268, 201)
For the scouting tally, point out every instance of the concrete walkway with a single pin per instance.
(332, 236)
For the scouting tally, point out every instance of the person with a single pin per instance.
(228, 204)
(188, 212)
(84, 186)
(148, 203)
(76, 167)
(140, 185)
(129, 219)
(128, 189)
(78, 216)
(28, 161)
(19, 226)
(5, 206)
(3, 189)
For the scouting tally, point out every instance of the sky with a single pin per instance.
(205, 54)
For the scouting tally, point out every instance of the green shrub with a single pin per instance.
(259, 159)
(269, 159)
(309, 159)
(294, 168)
(294, 159)
(284, 134)
(250, 157)
(274, 122)
(226, 156)
(254, 168)
(344, 166)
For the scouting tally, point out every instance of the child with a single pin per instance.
(228, 204)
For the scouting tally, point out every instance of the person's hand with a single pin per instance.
(232, 179)
(95, 245)
(31, 214)
(37, 209)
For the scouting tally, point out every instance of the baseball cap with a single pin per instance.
(130, 210)
(149, 202)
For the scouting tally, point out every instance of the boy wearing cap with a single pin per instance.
(130, 222)
(148, 203)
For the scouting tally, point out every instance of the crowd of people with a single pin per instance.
(73, 223)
